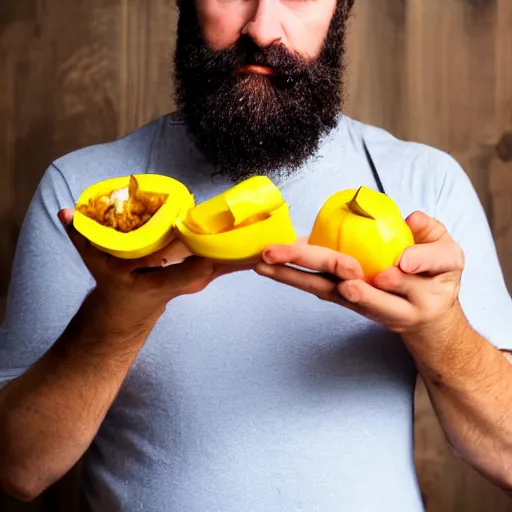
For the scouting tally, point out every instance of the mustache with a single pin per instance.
(287, 66)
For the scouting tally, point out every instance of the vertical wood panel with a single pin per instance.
(376, 78)
(451, 85)
(148, 34)
(59, 91)
(501, 167)
(7, 237)
(74, 73)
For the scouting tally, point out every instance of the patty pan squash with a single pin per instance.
(366, 225)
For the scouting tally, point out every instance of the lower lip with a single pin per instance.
(254, 70)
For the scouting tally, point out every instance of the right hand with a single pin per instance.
(123, 285)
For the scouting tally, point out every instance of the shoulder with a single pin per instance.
(415, 173)
(130, 153)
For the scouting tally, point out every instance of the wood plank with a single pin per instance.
(75, 73)
(7, 238)
(15, 26)
(501, 169)
(147, 40)
(58, 92)
(451, 104)
(375, 87)
(449, 484)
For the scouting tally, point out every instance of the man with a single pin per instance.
(201, 388)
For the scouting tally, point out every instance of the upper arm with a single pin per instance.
(48, 281)
(483, 295)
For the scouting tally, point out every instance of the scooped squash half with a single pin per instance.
(132, 216)
(237, 225)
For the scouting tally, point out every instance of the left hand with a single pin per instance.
(420, 293)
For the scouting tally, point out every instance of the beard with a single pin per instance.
(245, 125)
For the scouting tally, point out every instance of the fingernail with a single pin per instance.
(267, 256)
(167, 262)
(408, 265)
(65, 219)
(349, 292)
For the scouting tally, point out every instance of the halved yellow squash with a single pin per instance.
(237, 225)
(110, 213)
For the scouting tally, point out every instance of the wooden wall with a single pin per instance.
(75, 73)
(440, 72)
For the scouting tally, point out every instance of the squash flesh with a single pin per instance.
(124, 209)
(152, 235)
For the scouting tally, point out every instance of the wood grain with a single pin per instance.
(501, 166)
(452, 85)
(148, 32)
(376, 79)
(76, 73)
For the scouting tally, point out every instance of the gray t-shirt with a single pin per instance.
(251, 396)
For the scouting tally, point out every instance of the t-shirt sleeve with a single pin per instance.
(483, 295)
(48, 282)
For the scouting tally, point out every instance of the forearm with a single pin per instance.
(49, 415)
(470, 384)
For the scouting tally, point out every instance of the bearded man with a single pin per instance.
(201, 388)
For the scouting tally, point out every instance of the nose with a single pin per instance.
(264, 27)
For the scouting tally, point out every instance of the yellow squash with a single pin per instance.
(154, 233)
(366, 225)
(237, 225)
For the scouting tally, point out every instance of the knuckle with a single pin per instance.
(441, 226)
(350, 265)
(460, 258)
(390, 279)
(351, 291)
(341, 266)
(326, 297)
(335, 265)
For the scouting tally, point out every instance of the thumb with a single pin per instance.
(425, 229)
(66, 218)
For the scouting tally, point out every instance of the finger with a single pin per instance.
(302, 240)
(432, 258)
(173, 253)
(393, 280)
(356, 295)
(95, 260)
(387, 309)
(228, 268)
(66, 218)
(192, 272)
(316, 258)
(425, 229)
(310, 283)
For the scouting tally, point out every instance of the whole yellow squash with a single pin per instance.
(364, 224)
